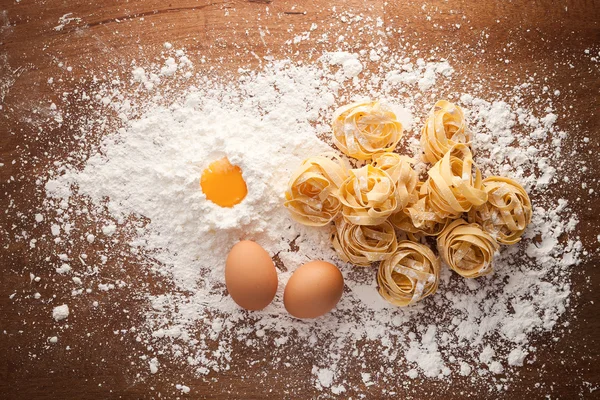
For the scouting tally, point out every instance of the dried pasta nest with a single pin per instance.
(507, 212)
(467, 249)
(367, 204)
(409, 275)
(451, 187)
(362, 244)
(312, 194)
(368, 196)
(400, 169)
(419, 217)
(445, 127)
(365, 128)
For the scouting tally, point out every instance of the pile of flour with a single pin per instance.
(147, 168)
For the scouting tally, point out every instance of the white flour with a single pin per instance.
(145, 177)
(60, 312)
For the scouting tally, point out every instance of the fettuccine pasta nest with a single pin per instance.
(362, 244)
(368, 196)
(365, 128)
(445, 127)
(451, 188)
(419, 217)
(400, 169)
(409, 275)
(367, 204)
(312, 194)
(507, 212)
(467, 249)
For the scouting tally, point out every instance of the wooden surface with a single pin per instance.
(537, 36)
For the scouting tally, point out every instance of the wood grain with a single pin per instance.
(535, 35)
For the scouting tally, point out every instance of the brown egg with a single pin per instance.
(250, 276)
(313, 289)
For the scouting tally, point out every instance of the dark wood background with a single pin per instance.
(537, 36)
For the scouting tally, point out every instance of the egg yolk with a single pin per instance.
(223, 184)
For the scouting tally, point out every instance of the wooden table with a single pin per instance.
(537, 37)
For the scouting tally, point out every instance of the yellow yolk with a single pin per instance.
(223, 184)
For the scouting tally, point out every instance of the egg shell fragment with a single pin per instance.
(250, 276)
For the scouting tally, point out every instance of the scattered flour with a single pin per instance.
(153, 365)
(366, 378)
(465, 369)
(349, 63)
(64, 269)
(516, 357)
(148, 168)
(66, 20)
(108, 230)
(325, 376)
(60, 312)
(183, 388)
(55, 229)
